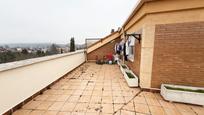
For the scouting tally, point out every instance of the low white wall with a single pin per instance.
(24, 78)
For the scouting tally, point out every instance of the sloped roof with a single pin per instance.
(103, 41)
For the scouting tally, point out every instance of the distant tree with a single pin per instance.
(53, 49)
(24, 51)
(72, 45)
(112, 30)
(40, 53)
(7, 57)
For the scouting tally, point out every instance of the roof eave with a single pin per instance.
(138, 5)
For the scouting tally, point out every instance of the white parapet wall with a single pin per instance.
(20, 80)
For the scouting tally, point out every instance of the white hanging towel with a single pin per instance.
(132, 41)
(127, 48)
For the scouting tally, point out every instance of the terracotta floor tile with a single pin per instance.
(44, 105)
(107, 89)
(41, 97)
(183, 107)
(118, 99)
(117, 93)
(116, 88)
(81, 107)
(73, 98)
(198, 109)
(97, 93)
(32, 105)
(87, 92)
(128, 98)
(93, 113)
(158, 96)
(142, 108)
(141, 114)
(90, 88)
(106, 114)
(107, 99)
(167, 104)
(68, 107)
(69, 92)
(22, 112)
(127, 93)
(52, 98)
(129, 106)
(37, 112)
(98, 88)
(140, 100)
(187, 113)
(149, 95)
(153, 102)
(156, 110)
(63, 98)
(107, 93)
(101, 90)
(96, 99)
(94, 108)
(169, 111)
(78, 92)
(56, 106)
(107, 108)
(126, 112)
(84, 99)
(50, 113)
(117, 107)
(64, 113)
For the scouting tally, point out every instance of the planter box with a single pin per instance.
(118, 62)
(132, 82)
(123, 69)
(184, 94)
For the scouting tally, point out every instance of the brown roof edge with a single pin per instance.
(100, 40)
(138, 5)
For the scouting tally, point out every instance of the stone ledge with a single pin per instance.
(22, 63)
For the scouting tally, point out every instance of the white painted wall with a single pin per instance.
(22, 81)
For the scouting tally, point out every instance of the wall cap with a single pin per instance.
(22, 63)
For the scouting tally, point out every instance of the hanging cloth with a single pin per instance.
(124, 52)
(127, 47)
(116, 47)
(132, 41)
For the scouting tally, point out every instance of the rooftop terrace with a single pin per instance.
(93, 89)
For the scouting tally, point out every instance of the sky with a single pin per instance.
(56, 21)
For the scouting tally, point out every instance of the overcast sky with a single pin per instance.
(56, 21)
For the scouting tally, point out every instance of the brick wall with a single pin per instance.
(103, 51)
(135, 65)
(179, 54)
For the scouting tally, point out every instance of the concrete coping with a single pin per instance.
(22, 63)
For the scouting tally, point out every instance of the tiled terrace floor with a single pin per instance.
(101, 90)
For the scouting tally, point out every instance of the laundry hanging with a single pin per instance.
(132, 41)
(127, 47)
